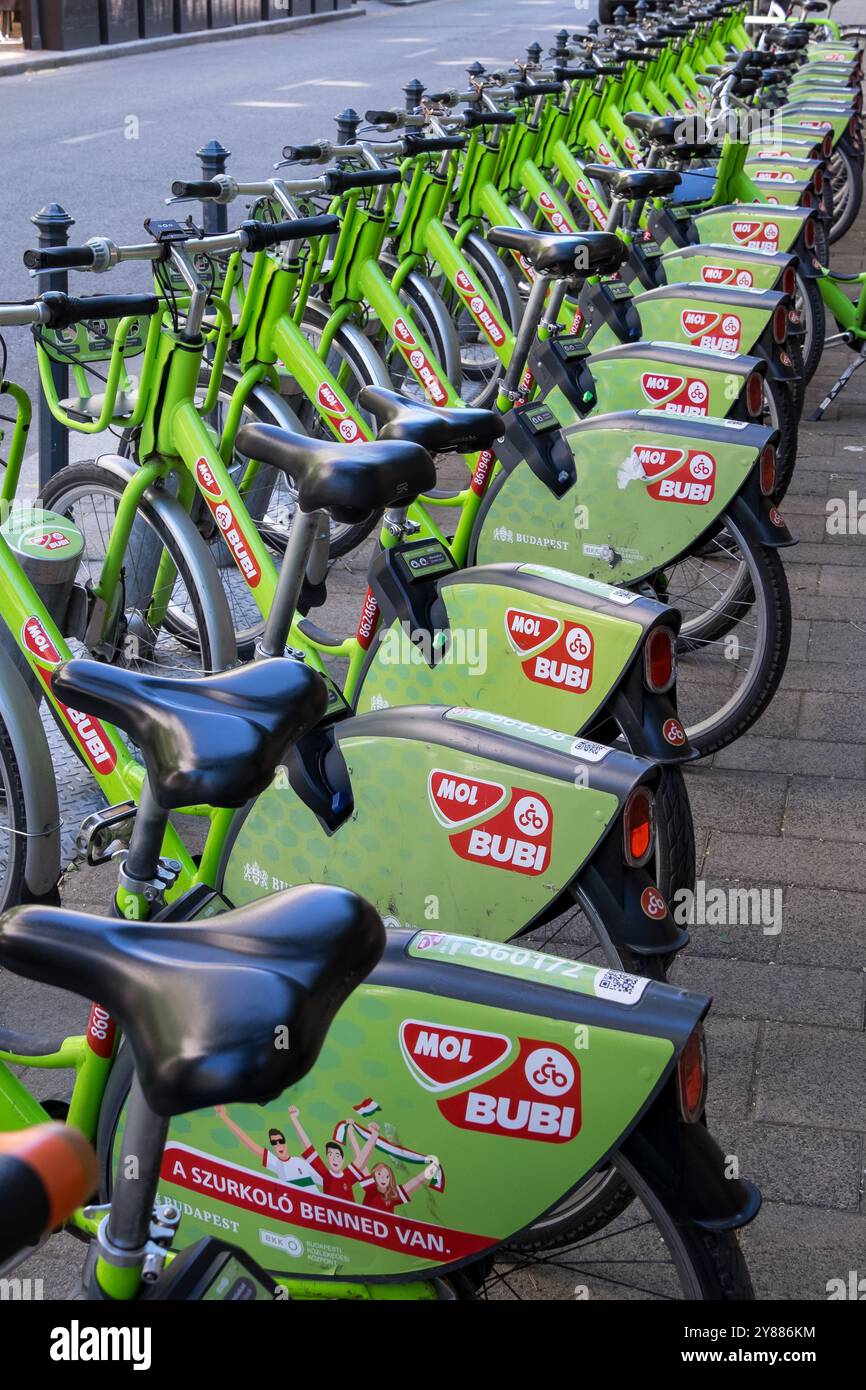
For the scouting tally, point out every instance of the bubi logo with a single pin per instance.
(552, 213)
(707, 329)
(516, 836)
(678, 395)
(441, 1056)
(235, 540)
(687, 476)
(558, 654)
(417, 359)
(51, 540)
(538, 1097)
(92, 738)
(590, 202)
(480, 309)
(757, 236)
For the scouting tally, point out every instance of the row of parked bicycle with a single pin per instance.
(601, 278)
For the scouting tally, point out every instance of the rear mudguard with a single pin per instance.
(684, 1164)
(554, 649)
(472, 821)
(648, 486)
(38, 784)
(490, 1081)
(673, 379)
(754, 226)
(759, 519)
(726, 266)
(714, 318)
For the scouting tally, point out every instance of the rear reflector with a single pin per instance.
(809, 234)
(768, 470)
(660, 659)
(789, 280)
(818, 181)
(755, 395)
(780, 324)
(806, 200)
(692, 1077)
(828, 144)
(638, 827)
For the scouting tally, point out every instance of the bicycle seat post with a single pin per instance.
(143, 875)
(532, 317)
(301, 541)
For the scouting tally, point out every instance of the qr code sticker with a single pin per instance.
(620, 987)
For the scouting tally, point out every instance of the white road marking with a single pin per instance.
(99, 134)
(321, 82)
(419, 38)
(420, 52)
(281, 104)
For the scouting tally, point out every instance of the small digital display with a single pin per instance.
(572, 347)
(619, 291)
(539, 418)
(425, 560)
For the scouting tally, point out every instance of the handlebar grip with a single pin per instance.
(449, 98)
(538, 89)
(67, 310)
(196, 188)
(298, 152)
(260, 235)
(340, 181)
(471, 119)
(45, 1173)
(60, 258)
(391, 117)
(419, 144)
(572, 74)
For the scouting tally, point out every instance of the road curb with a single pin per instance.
(105, 52)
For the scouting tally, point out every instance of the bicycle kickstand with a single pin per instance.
(839, 386)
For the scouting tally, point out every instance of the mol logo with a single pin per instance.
(604, 153)
(37, 641)
(682, 476)
(757, 236)
(403, 333)
(464, 284)
(206, 478)
(779, 175)
(678, 395)
(559, 655)
(441, 1056)
(710, 330)
(515, 836)
(335, 410)
(537, 1097)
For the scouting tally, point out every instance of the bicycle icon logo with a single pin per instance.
(531, 816)
(549, 1071)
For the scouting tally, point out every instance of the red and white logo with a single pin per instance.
(707, 329)
(516, 837)
(367, 621)
(483, 468)
(687, 476)
(538, 1097)
(403, 333)
(552, 213)
(757, 236)
(336, 412)
(673, 733)
(458, 800)
(591, 203)
(418, 361)
(480, 310)
(51, 540)
(678, 395)
(206, 478)
(441, 1056)
(604, 153)
(653, 903)
(235, 540)
(37, 641)
(774, 175)
(560, 655)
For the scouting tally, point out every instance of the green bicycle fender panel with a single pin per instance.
(440, 833)
(428, 1103)
(723, 265)
(752, 225)
(536, 652)
(640, 500)
(684, 386)
(702, 317)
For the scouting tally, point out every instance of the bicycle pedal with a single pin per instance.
(104, 833)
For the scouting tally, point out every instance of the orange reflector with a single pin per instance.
(660, 659)
(638, 830)
(755, 395)
(692, 1077)
(768, 470)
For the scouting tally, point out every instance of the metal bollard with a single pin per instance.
(413, 92)
(215, 216)
(347, 126)
(52, 224)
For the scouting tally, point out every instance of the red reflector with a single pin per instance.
(807, 201)
(789, 281)
(755, 395)
(780, 323)
(809, 234)
(768, 470)
(818, 180)
(637, 825)
(660, 659)
(692, 1077)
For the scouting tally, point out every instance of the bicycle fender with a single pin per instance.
(21, 715)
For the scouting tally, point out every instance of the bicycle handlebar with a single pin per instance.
(293, 154)
(420, 144)
(65, 310)
(543, 89)
(471, 119)
(389, 118)
(45, 1173)
(60, 258)
(196, 188)
(340, 181)
(261, 235)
